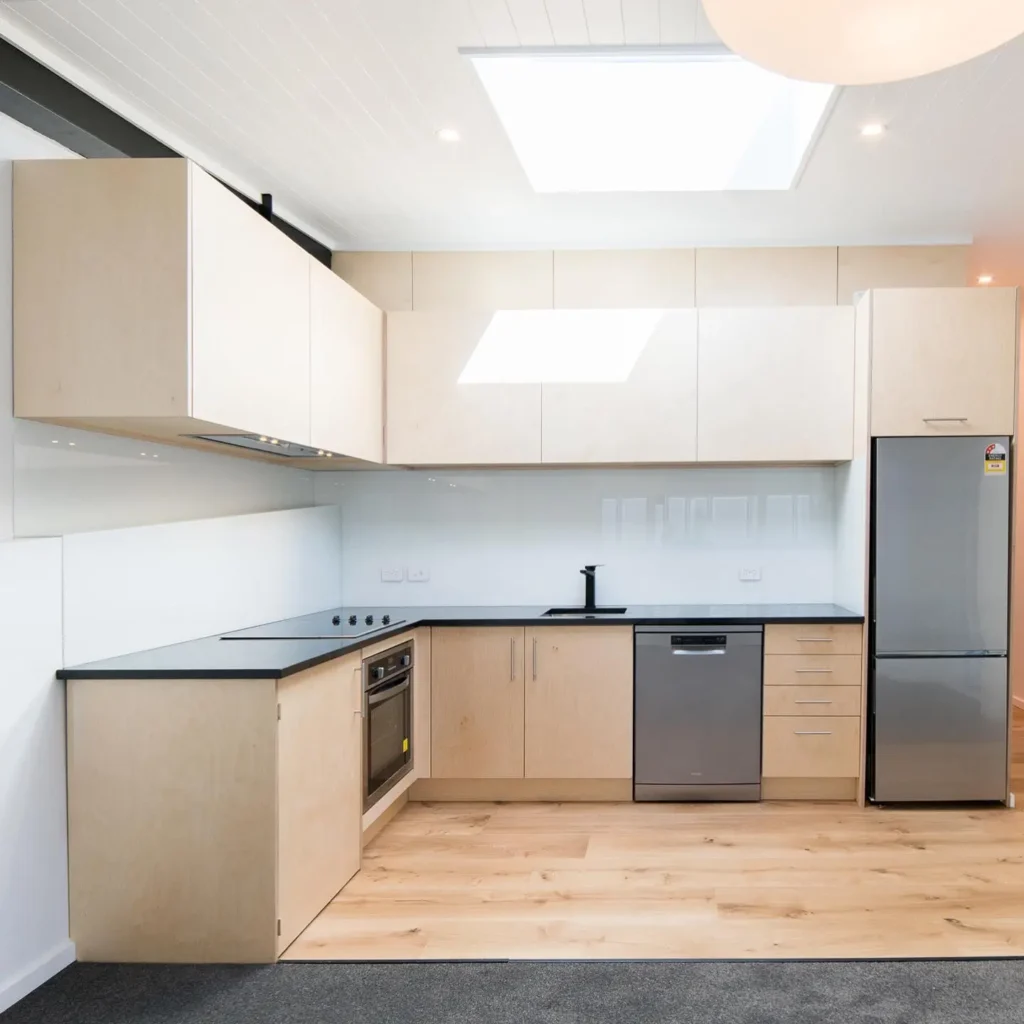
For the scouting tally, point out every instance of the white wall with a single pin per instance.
(87, 482)
(664, 535)
(851, 535)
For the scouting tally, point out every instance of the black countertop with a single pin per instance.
(278, 649)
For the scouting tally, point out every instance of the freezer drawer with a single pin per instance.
(940, 729)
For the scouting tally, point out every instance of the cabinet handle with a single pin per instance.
(810, 732)
(943, 419)
(534, 657)
(813, 671)
(512, 659)
(814, 639)
(812, 702)
(359, 712)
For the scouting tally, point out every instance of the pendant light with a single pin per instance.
(863, 42)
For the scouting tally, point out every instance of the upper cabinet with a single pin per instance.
(346, 358)
(648, 416)
(436, 418)
(151, 301)
(942, 360)
(775, 384)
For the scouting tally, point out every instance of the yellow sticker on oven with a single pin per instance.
(405, 745)
(995, 459)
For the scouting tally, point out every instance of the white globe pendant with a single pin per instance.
(863, 42)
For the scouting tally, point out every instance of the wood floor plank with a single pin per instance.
(649, 880)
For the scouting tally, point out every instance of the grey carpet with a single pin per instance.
(538, 992)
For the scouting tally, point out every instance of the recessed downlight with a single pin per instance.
(872, 129)
(448, 134)
(985, 279)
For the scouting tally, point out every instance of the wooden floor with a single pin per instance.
(680, 880)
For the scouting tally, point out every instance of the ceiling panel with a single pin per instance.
(333, 106)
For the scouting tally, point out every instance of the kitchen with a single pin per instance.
(698, 651)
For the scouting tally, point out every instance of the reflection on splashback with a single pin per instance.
(520, 536)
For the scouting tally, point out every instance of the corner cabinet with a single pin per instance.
(210, 820)
(152, 302)
(943, 360)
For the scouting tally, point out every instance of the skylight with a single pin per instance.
(696, 119)
(552, 346)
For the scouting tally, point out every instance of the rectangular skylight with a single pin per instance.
(691, 119)
(559, 346)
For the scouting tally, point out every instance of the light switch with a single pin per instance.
(417, 575)
(391, 575)
(750, 575)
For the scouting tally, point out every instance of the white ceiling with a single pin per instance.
(332, 105)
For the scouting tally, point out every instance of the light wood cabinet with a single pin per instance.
(319, 789)
(476, 702)
(813, 669)
(203, 827)
(812, 700)
(649, 417)
(943, 361)
(820, 748)
(152, 302)
(823, 638)
(346, 343)
(775, 385)
(624, 279)
(433, 419)
(579, 702)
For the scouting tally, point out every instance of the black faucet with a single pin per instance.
(590, 571)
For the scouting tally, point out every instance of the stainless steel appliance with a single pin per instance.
(387, 721)
(940, 618)
(697, 719)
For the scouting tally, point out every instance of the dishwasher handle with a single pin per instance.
(698, 651)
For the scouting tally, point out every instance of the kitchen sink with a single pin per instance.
(584, 611)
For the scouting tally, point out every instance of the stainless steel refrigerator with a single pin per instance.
(940, 611)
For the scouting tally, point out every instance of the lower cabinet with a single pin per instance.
(319, 790)
(579, 702)
(476, 703)
(813, 737)
(544, 703)
(203, 827)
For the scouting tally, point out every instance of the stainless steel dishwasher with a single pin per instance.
(697, 723)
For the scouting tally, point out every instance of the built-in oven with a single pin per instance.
(387, 721)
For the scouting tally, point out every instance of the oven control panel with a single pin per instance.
(390, 663)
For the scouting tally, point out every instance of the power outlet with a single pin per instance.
(417, 575)
(391, 575)
(750, 575)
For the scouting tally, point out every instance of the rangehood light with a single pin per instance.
(266, 445)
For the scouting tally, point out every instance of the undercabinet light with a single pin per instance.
(985, 279)
(872, 130)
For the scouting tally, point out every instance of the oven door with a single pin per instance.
(387, 741)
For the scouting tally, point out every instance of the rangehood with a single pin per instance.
(268, 445)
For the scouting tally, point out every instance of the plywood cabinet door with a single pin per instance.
(775, 384)
(476, 703)
(319, 789)
(943, 361)
(650, 416)
(579, 702)
(432, 417)
(346, 380)
(250, 317)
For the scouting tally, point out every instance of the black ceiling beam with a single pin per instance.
(50, 105)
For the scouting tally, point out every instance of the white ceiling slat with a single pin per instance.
(495, 21)
(604, 22)
(678, 21)
(642, 22)
(568, 22)
(532, 23)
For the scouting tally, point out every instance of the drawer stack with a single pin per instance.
(813, 699)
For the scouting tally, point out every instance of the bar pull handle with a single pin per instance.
(512, 658)
(811, 732)
(813, 671)
(534, 657)
(812, 702)
(944, 419)
(814, 639)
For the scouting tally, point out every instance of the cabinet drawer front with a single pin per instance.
(796, 747)
(812, 700)
(792, 638)
(812, 670)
